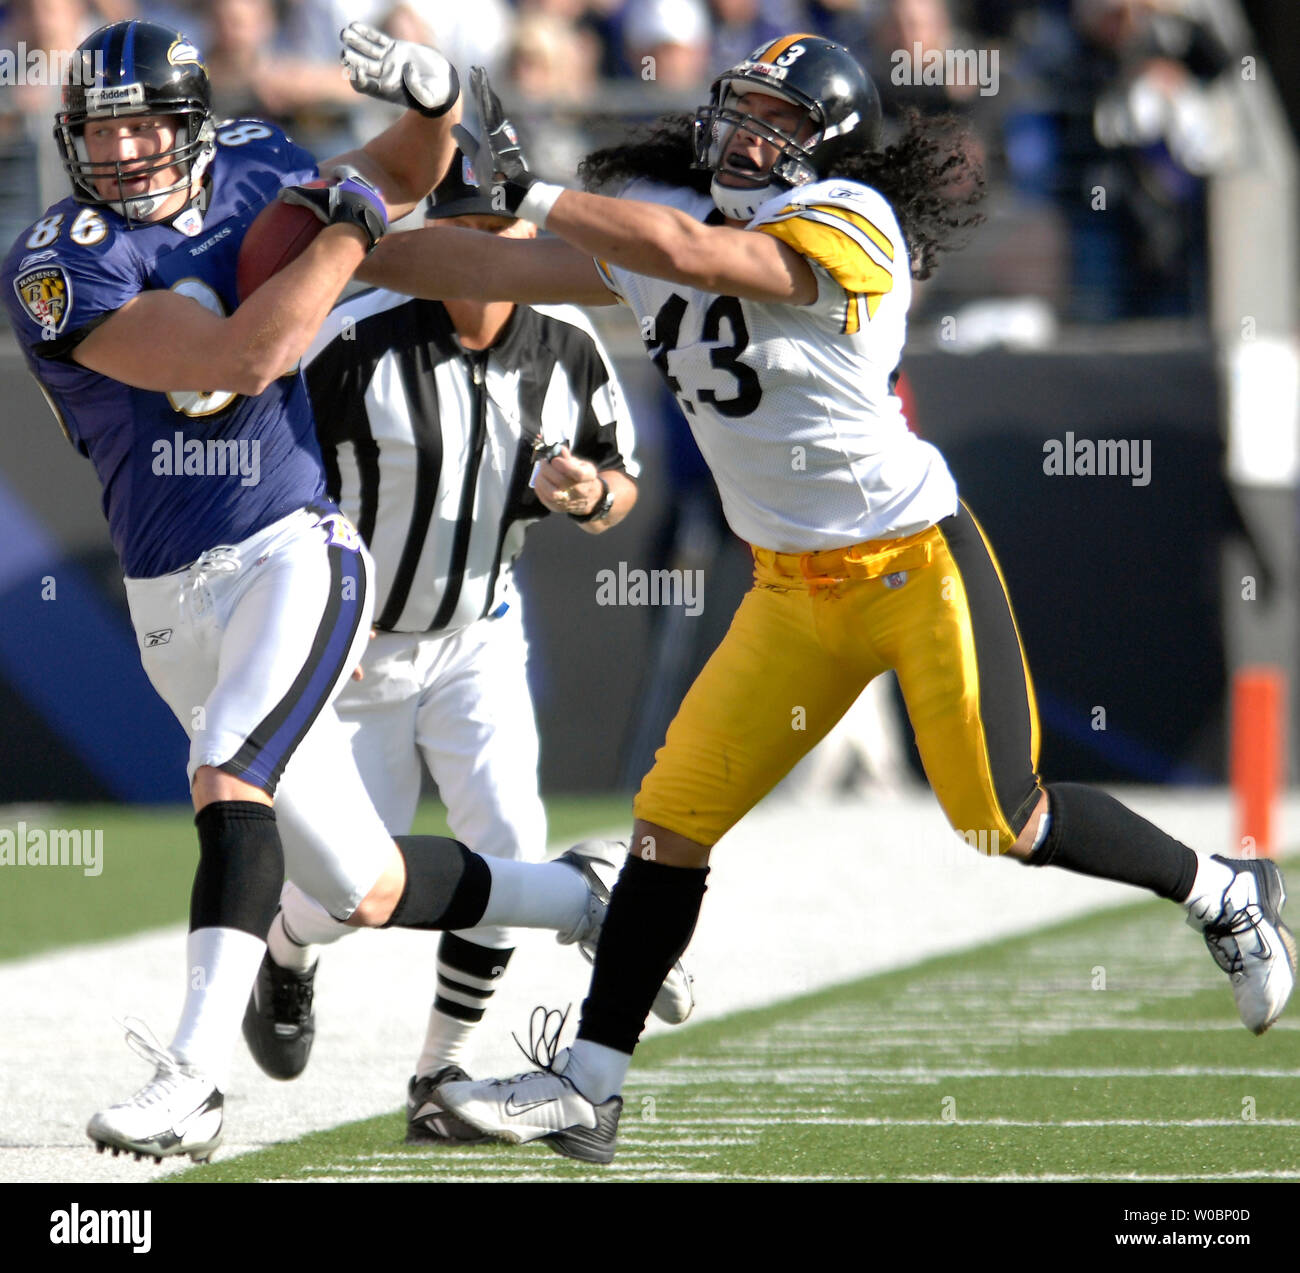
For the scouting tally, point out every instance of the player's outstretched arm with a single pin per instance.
(454, 264)
(643, 237)
(408, 158)
(661, 242)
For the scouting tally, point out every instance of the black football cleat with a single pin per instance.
(428, 1120)
(279, 1025)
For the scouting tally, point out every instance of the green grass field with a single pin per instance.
(1106, 1048)
(1103, 1049)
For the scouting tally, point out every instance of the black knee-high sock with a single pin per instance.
(1094, 834)
(241, 867)
(652, 914)
(447, 886)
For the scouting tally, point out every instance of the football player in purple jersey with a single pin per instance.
(248, 589)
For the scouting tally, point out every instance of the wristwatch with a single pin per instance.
(603, 505)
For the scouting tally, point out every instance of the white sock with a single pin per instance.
(468, 969)
(533, 895)
(286, 950)
(308, 921)
(221, 964)
(1206, 898)
(596, 1071)
(445, 1041)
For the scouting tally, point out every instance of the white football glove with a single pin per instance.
(410, 75)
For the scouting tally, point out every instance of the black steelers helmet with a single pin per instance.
(135, 68)
(823, 78)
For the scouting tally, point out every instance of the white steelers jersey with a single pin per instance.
(792, 406)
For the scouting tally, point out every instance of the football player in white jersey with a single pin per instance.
(767, 249)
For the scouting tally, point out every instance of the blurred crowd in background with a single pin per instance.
(1098, 120)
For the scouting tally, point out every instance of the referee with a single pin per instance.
(447, 429)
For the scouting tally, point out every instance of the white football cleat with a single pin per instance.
(599, 862)
(539, 1105)
(1248, 940)
(179, 1111)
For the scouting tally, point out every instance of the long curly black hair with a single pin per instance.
(930, 175)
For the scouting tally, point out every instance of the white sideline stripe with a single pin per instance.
(767, 934)
(697, 1177)
(1046, 1125)
(1045, 1026)
(845, 1076)
(1213, 1177)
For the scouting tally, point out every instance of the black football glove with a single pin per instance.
(498, 160)
(348, 200)
(397, 71)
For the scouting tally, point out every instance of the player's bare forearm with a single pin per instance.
(666, 243)
(406, 160)
(166, 342)
(451, 263)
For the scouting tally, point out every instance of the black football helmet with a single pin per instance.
(135, 68)
(826, 80)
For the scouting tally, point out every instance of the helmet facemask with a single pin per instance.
(191, 152)
(717, 124)
(840, 115)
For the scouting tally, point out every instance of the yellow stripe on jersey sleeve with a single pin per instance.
(872, 231)
(838, 251)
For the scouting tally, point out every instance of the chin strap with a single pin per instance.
(741, 203)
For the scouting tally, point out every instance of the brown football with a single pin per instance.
(279, 234)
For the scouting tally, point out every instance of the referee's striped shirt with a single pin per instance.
(428, 446)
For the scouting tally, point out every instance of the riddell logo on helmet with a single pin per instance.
(120, 95)
(765, 69)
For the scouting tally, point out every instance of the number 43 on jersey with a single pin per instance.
(706, 369)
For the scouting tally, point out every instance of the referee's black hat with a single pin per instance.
(458, 195)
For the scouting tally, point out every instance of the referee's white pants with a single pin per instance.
(459, 704)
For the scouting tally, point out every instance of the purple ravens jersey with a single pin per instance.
(182, 472)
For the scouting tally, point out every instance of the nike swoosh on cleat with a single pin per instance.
(514, 1110)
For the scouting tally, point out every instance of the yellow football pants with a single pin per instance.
(810, 633)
